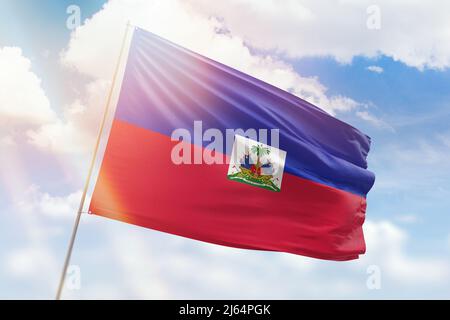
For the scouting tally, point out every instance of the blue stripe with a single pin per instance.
(166, 87)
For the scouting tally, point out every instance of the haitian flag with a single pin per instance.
(200, 150)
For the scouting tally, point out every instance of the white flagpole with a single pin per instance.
(91, 169)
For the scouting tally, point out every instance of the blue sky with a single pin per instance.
(414, 105)
(404, 108)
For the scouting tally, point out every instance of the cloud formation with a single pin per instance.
(339, 29)
(375, 69)
(387, 244)
(165, 266)
(74, 132)
(35, 259)
(183, 24)
(23, 102)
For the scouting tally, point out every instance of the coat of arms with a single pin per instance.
(256, 164)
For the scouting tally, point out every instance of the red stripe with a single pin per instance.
(139, 184)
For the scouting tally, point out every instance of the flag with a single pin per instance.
(201, 150)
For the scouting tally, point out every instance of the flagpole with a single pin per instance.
(91, 169)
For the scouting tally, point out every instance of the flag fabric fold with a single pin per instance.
(320, 182)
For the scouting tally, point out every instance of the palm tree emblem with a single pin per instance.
(252, 164)
(260, 151)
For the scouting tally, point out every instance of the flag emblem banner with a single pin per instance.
(201, 150)
(256, 164)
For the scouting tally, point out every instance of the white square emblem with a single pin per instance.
(256, 164)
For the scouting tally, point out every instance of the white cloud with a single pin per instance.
(376, 69)
(34, 258)
(22, 99)
(26, 115)
(42, 216)
(407, 218)
(339, 29)
(158, 265)
(416, 165)
(36, 202)
(372, 119)
(7, 141)
(422, 152)
(386, 245)
(74, 132)
(30, 262)
(181, 23)
(144, 269)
